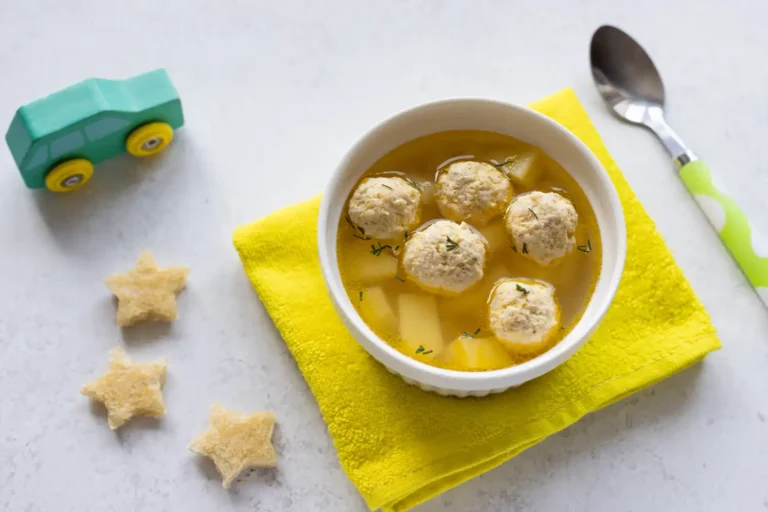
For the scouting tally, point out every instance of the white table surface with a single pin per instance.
(274, 93)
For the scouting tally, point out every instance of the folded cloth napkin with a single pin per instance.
(400, 445)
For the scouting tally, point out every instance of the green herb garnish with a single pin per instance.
(413, 184)
(514, 248)
(376, 251)
(361, 295)
(506, 161)
(521, 289)
(468, 335)
(352, 224)
(427, 352)
(396, 248)
(387, 186)
(400, 279)
(420, 349)
(534, 213)
(525, 249)
(450, 245)
(405, 237)
(585, 248)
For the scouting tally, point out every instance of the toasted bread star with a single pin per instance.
(236, 441)
(147, 293)
(129, 389)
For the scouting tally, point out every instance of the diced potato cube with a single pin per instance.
(497, 236)
(376, 311)
(467, 353)
(377, 269)
(420, 324)
(523, 169)
(368, 268)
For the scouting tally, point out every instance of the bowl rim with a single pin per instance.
(455, 379)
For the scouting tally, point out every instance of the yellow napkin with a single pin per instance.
(401, 446)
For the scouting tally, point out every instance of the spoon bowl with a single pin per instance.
(631, 86)
(625, 75)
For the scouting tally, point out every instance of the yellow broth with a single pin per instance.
(375, 281)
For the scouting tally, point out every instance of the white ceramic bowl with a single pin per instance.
(475, 114)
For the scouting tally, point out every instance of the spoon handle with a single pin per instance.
(731, 224)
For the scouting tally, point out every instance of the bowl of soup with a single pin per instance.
(471, 245)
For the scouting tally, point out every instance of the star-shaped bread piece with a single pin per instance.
(237, 441)
(129, 389)
(148, 292)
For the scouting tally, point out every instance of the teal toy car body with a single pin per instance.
(56, 140)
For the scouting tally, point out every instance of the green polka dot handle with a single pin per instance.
(731, 224)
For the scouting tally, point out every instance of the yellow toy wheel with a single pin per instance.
(149, 139)
(69, 176)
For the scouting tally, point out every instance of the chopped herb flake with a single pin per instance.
(376, 251)
(420, 349)
(534, 213)
(450, 245)
(405, 237)
(585, 248)
(508, 160)
(477, 331)
(361, 295)
(413, 184)
(397, 247)
(387, 186)
(525, 291)
(400, 279)
(525, 249)
(427, 352)
(358, 228)
(514, 248)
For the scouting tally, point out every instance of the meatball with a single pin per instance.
(472, 191)
(524, 314)
(445, 257)
(385, 207)
(541, 225)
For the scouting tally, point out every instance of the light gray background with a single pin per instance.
(274, 93)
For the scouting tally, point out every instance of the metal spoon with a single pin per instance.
(631, 87)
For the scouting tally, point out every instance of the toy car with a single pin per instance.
(56, 140)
